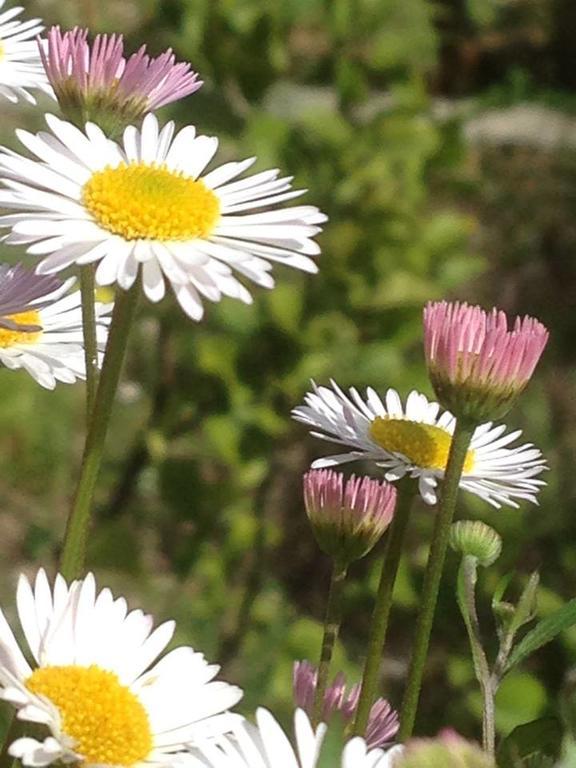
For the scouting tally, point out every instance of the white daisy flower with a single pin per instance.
(265, 745)
(41, 326)
(20, 64)
(92, 686)
(414, 439)
(148, 202)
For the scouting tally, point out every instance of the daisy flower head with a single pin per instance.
(383, 721)
(413, 439)
(20, 65)
(266, 745)
(348, 517)
(96, 684)
(148, 205)
(477, 364)
(96, 82)
(41, 326)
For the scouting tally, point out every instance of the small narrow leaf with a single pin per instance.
(526, 607)
(545, 631)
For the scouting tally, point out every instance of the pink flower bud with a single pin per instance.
(476, 364)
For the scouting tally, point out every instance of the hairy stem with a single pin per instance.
(467, 578)
(331, 628)
(74, 549)
(458, 449)
(87, 289)
(382, 606)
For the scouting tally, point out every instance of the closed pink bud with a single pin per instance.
(477, 364)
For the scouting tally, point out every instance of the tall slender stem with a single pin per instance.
(460, 442)
(331, 628)
(73, 553)
(13, 731)
(87, 289)
(382, 605)
(467, 578)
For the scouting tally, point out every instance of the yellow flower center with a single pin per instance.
(139, 201)
(8, 338)
(424, 445)
(108, 723)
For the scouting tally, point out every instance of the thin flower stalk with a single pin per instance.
(74, 549)
(332, 621)
(383, 605)
(461, 440)
(467, 579)
(88, 288)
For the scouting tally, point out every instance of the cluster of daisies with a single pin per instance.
(96, 684)
(111, 186)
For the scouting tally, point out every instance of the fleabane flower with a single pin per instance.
(41, 326)
(347, 517)
(383, 721)
(413, 439)
(477, 365)
(91, 683)
(20, 65)
(147, 205)
(95, 81)
(266, 745)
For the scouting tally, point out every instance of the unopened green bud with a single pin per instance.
(476, 539)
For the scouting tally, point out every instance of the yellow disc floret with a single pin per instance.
(107, 721)
(424, 445)
(141, 201)
(10, 337)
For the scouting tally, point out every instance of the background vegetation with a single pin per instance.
(440, 139)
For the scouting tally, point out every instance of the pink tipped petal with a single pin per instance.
(383, 722)
(81, 72)
(348, 519)
(477, 364)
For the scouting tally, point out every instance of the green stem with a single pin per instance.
(87, 289)
(460, 442)
(13, 732)
(382, 606)
(467, 578)
(331, 628)
(73, 553)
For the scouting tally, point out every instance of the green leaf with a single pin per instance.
(545, 631)
(503, 611)
(526, 607)
(539, 740)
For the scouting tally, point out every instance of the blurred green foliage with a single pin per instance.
(199, 509)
